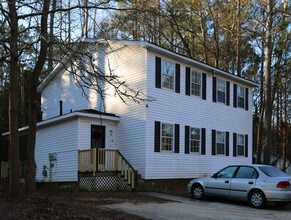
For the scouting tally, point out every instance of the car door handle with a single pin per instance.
(226, 181)
(251, 183)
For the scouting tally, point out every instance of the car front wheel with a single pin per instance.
(197, 192)
(257, 199)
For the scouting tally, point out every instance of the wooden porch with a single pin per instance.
(104, 160)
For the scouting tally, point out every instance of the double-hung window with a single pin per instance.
(240, 97)
(240, 144)
(168, 74)
(196, 83)
(195, 140)
(220, 142)
(167, 137)
(221, 90)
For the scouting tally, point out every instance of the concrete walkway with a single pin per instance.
(186, 208)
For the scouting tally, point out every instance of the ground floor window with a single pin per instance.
(240, 146)
(220, 142)
(195, 140)
(167, 137)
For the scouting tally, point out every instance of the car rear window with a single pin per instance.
(273, 172)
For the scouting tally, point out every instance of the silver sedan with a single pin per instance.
(257, 184)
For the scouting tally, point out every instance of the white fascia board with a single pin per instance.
(68, 117)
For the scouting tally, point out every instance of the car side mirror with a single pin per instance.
(214, 175)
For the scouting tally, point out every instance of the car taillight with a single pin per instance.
(283, 184)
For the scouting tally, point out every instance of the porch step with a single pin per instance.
(104, 181)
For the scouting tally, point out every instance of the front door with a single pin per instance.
(97, 136)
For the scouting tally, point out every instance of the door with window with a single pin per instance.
(219, 184)
(97, 136)
(243, 181)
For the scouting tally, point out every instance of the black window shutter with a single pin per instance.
(203, 141)
(235, 95)
(157, 136)
(213, 142)
(247, 99)
(177, 83)
(187, 132)
(214, 89)
(227, 93)
(177, 138)
(158, 72)
(227, 144)
(204, 86)
(187, 90)
(246, 145)
(234, 144)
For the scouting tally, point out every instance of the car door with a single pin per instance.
(244, 179)
(219, 183)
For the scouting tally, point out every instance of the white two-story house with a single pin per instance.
(198, 118)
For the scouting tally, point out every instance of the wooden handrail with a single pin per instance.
(103, 159)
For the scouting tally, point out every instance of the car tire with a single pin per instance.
(257, 199)
(197, 191)
(282, 204)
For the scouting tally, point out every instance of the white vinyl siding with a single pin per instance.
(62, 139)
(178, 108)
(129, 63)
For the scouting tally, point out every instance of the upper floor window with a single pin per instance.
(240, 145)
(168, 74)
(195, 140)
(221, 90)
(220, 142)
(240, 97)
(196, 83)
(167, 137)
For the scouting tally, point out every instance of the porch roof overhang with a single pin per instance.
(85, 113)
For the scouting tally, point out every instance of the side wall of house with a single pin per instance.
(60, 139)
(129, 63)
(177, 108)
(64, 88)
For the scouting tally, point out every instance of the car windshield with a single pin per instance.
(273, 172)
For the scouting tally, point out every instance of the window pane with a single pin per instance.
(220, 139)
(167, 137)
(196, 83)
(221, 90)
(246, 173)
(195, 140)
(227, 172)
(240, 150)
(240, 139)
(240, 97)
(168, 73)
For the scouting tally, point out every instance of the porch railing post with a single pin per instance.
(94, 154)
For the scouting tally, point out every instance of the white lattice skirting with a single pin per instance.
(103, 183)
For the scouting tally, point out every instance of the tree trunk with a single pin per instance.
(262, 110)
(14, 162)
(238, 39)
(30, 175)
(268, 97)
(51, 39)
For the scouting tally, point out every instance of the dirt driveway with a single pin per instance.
(186, 208)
